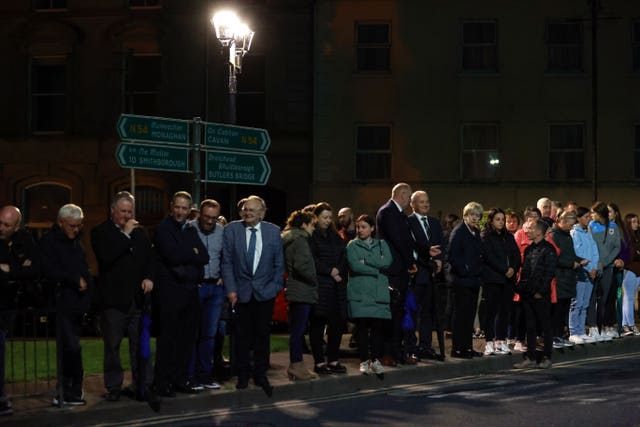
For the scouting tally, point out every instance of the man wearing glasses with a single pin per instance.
(252, 273)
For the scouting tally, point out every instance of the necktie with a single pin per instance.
(251, 251)
(425, 224)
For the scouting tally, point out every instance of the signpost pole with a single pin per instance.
(197, 128)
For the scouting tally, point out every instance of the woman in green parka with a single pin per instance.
(368, 293)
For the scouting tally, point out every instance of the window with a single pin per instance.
(564, 47)
(373, 46)
(41, 203)
(45, 5)
(480, 157)
(145, 4)
(636, 153)
(635, 44)
(250, 97)
(143, 81)
(479, 47)
(48, 94)
(566, 151)
(373, 152)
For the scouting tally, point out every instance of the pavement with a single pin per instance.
(37, 410)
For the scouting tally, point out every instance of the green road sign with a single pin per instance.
(153, 129)
(236, 168)
(228, 137)
(154, 157)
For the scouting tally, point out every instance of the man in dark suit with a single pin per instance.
(427, 233)
(182, 258)
(123, 252)
(392, 226)
(253, 274)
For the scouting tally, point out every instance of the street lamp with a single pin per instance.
(235, 38)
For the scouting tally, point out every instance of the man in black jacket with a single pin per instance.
(64, 267)
(17, 268)
(123, 252)
(534, 287)
(182, 258)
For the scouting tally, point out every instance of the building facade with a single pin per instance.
(486, 101)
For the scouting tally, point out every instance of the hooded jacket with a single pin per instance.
(607, 239)
(302, 282)
(586, 248)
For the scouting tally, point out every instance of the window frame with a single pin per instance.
(464, 45)
(463, 151)
(358, 46)
(63, 61)
(131, 93)
(388, 152)
(549, 46)
(583, 150)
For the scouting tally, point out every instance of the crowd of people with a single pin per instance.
(552, 276)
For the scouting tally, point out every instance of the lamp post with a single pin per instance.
(235, 38)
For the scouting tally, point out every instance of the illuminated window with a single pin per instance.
(480, 158)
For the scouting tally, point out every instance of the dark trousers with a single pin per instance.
(537, 313)
(334, 324)
(253, 332)
(176, 338)
(298, 319)
(6, 324)
(426, 298)
(560, 316)
(115, 324)
(466, 301)
(517, 321)
(498, 299)
(69, 328)
(370, 336)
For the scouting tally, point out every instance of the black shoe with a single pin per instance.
(440, 357)
(112, 395)
(6, 408)
(427, 354)
(164, 391)
(242, 383)
(474, 353)
(152, 399)
(188, 388)
(322, 370)
(337, 368)
(461, 354)
(263, 383)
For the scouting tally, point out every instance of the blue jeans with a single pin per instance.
(630, 284)
(298, 318)
(201, 363)
(579, 306)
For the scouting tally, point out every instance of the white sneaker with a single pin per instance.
(365, 367)
(588, 339)
(613, 333)
(502, 348)
(605, 335)
(520, 347)
(576, 339)
(593, 333)
(376, 367)
(627, 331)
(636, 332)
(489, 349)
(566, 342)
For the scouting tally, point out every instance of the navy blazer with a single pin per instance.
(392, 227)
(237, 275)
(465, 256)
(422, 246)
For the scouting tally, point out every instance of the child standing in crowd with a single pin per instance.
(368, 293)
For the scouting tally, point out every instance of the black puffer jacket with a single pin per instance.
(500, 252)
(566, 276)
(538, 269)
(329, 251)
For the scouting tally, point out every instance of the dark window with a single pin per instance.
(48, 94)
(143, 82)
(49, 4)
(373, 152)
(566, 151)
(145, 3)
(373, 46)
(564, 47)
(251, 92)
(41, 203)
(635, 44)
(479, 47)
(480, 155)
(636, 153)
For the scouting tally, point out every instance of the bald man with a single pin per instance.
(17, 269)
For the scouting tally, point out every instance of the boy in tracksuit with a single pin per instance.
(534, 287)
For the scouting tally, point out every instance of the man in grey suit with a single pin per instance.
(253, 274)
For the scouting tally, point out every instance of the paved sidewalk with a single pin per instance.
(38, 410)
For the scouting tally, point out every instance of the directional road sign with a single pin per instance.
(228, 137)
(155, 157)
(153, 129)
(236, 168)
